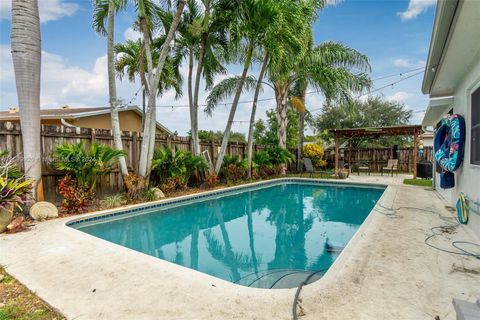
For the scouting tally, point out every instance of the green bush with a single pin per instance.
(10, 166)
(233, 168)
(87, 165)
(279, 155)
(175, 169)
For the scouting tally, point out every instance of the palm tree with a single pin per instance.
(149, 128)
(333, 69)
(278, 41)
(26, 55)
(130, 64)
(202, 38)
(111, 6)
(249, 24)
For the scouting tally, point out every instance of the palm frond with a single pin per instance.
(226, 88)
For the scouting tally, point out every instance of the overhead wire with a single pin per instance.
(308, 92)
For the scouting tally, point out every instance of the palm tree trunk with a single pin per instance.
(281, 93)
(301, 133)
(198, 76)
(112, 90)
(226, 135)
(26, 55)
(193, 109)
(148, 141)
(252, 116)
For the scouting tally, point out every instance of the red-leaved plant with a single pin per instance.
(75, 199)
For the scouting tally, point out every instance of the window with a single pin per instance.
(475, 133)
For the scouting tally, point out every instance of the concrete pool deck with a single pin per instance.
(385, 272)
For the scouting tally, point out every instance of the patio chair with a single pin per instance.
(362, 166)
(310, 169)
(392, 166)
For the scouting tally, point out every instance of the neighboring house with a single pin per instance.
(427, 139)
(452, 79)
(89, 117)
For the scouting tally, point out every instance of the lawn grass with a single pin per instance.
(17, 302)
(418, 182)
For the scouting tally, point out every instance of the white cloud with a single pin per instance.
(406, 63)
(49, 9)
(333, 2)
(61, 83)
(415, 8)
(400, 96)
(131, 34)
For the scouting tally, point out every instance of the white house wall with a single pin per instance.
(467, 177)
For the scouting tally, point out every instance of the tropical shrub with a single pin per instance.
(175, 169)
(211, 179)
(87, 165)
(262, 165)
(76, 199)
(134, 184)
(174, 183)
(233, 168)
(279, 155)
(9, 165)
(315, 152)
(15, 191)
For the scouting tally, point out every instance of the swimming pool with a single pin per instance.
(271, 235)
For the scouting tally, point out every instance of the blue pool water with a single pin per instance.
(269, 237)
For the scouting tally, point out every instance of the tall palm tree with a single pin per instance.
(201, 38)
(99, 17)
(279, 40)
(249, 24)
(130, 64)
(26, 55)
(149, 128)
(333, 69)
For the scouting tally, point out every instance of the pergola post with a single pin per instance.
(336, 154)
(415, 153)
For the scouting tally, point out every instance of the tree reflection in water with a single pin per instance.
(284, 226)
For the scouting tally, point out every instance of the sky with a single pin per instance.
(394, 34)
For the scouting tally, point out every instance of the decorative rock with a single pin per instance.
(43, 210)
(158, 194)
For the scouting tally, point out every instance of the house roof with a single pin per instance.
(454, 47)
(76, 113)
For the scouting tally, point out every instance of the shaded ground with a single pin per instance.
(17, 302)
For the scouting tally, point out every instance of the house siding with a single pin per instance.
(467, 177)
(129, 121)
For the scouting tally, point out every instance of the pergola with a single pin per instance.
(406, 130)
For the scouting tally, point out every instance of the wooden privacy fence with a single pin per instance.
(11, 140)
(377, 158)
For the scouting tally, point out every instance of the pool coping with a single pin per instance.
(385, 270)
(128, 210)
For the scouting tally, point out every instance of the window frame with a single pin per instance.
(474, 126)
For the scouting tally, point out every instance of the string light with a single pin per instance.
(308, 92)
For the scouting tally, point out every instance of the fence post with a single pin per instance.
(92, 136)
(134, 150)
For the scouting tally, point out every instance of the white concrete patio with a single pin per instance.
(386, 272)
